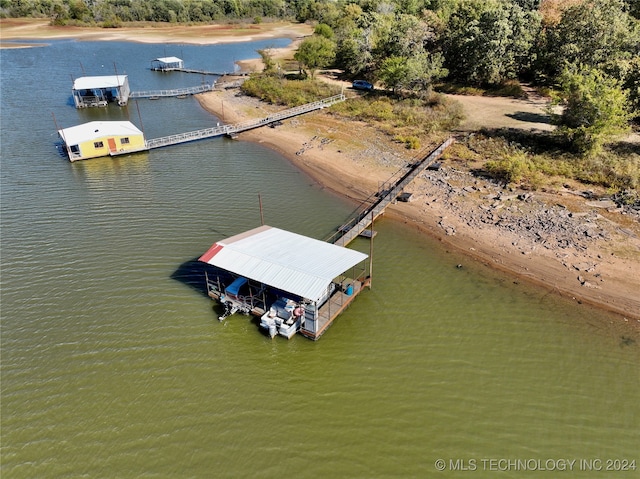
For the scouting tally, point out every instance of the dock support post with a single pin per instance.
(371, 252)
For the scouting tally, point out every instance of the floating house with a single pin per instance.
(102, 138)
(167, 64)
(292, 282)
(101, 90)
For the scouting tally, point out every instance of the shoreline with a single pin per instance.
(586, 276)
(464, 212)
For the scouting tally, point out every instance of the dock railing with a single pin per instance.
(384, 197)
(243, 126)
(171, 93)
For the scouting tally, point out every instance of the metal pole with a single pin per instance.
(140, 117)
(58, 130)
(261, 214)
(371, 253)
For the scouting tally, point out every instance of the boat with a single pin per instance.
(284, 318)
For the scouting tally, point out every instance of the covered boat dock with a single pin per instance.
(167, 64)
(100, 90)
(293, 282)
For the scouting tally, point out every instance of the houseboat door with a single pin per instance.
(112, 145)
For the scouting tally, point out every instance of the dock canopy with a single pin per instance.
(287, 261)
(101, 90)
(99, 82)
(166, 63)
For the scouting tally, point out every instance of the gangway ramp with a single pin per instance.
(231, 130)
(172, 92)
(385, 197)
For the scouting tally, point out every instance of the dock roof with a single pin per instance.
(97, 129)
(287, 261)
(168, 60)
(89, 83)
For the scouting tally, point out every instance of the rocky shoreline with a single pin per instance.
(568, 241)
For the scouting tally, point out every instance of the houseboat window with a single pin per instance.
(124, 141)
(74, 149)
(98, 144)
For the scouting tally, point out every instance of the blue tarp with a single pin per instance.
(234, 287)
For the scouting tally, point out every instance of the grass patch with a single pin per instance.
(510, 89)
(512, 163)
(290, 93)
(405, 118)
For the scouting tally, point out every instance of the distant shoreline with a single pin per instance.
(348, 164)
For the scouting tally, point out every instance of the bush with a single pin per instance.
(513, 167)
(510, 162)
(410, 142)
(280, 91)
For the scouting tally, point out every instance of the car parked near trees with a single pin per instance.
(362, 85)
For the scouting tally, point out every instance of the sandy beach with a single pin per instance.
(565, 241)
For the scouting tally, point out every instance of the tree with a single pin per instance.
(594, 33)
(323, 30)
(393, 73)
(632, 85)
(490, 42)
(423, 70)
(594, 109)
(315, 52)
(270, 65)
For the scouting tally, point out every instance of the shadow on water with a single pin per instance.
(192, 273)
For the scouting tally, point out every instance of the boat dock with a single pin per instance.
(176, 92)
(386, 195)
(334, 306)
(199, 72)
(234, 129)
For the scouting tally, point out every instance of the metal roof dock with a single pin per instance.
(92, 91)
(281, 267)
(166, 64)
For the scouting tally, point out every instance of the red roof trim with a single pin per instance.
(214, 250)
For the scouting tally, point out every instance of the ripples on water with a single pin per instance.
(113, 364)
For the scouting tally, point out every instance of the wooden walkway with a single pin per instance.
(385, 197)
(335, 305)
(172, 93)
(240, 127)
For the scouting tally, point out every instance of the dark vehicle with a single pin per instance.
(362, 85)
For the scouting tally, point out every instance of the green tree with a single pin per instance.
(632, 85)
(595, 109)
(490, 42)
(595, 33)
(393, 73)
(78, 10)
(323, 30)
(423, 70)
(270, 65)
(315, 52)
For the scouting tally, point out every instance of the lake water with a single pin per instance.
(114, 365)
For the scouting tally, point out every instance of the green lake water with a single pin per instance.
(113, 363)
